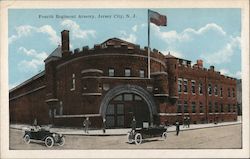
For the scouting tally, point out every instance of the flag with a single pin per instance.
(157, 19)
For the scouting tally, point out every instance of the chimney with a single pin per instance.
(200, 63)
(65, 43)
(212, 68)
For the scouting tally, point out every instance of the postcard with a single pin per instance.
(109, 79)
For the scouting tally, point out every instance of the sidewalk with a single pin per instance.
(116, 132)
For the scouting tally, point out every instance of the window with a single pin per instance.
(118, 98)
(228, 92)
(216, 107)
(127, 72)
(201, 108)
(200, 88)
(128, 97)
(110, 110)
(210, 89)
(50, 113)
(138, 98)
(193, 107)
(210, 107)
(142, 73)
(233, 92)
(185, 107)
(185, 86)
(215, 90)
(120, 109)
(61, 108)
(221, 108)
(179, 104)
(221, 91)
(228, 108)
(73, 83)
(111, 72)
(179, 85)
(193, 87)
(234, 108)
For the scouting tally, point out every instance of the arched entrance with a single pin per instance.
(123, 102)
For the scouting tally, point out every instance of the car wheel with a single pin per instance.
(138, 139)
(130, 138)
(62, 142)
(26, 139)
(49, 141)
(164, 135)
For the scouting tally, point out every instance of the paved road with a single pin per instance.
(217, 137)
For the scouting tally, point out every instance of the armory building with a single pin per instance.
(111, 81)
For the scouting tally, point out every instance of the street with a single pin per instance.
(206, 138)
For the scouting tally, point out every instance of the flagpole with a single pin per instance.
(148, 45)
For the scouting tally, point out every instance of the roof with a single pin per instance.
(117, 40)
(56, 53)
(170, 56)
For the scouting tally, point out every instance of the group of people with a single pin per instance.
(186, 121)
(86, 123)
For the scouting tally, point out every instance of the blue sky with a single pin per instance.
(213, 35)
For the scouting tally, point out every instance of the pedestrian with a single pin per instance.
(86, 124)
(104, 125)
(188, 121)
(35, 122)
(133, 124)
(177, 128)
(184, 121)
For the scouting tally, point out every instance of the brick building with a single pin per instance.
(111, 81)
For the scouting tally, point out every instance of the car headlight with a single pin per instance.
(54, 135)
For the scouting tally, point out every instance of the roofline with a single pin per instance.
(28, 81)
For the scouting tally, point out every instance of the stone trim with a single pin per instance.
(160, 95)
(23, 94)
(108, 77)
(91, 70)
(91, 94)
(77, 116)
(169, 114)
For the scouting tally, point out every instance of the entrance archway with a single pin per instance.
(149, 108)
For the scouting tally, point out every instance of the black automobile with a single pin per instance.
(36, 133)
(146, 132)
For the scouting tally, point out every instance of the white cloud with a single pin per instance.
(128, 37)
(35, 62)
(226, 72)
(223, 55)
(27, 30)
(134, 28)
(173, 52)
(77, 32)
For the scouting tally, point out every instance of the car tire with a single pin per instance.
(164, 135)
(49, 141)
(26, 139)
(130, 138)
(62, 142)
(138, 138)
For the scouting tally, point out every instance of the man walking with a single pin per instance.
(177, 128)
(86, 124)
(133, 124)
(104, 125)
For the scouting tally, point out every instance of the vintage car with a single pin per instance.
(36, 133)
(146, 132)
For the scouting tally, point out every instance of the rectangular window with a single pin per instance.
(193, 107)
(210, 89)
(234, 108)
(221, 108)
(210, 107)
(118, 98)
(128, 97)
(138, 98)
(179, 110)
(179, 85)
(233, 92)
(200, 88)
(185, 85)
(110, 110)
(193, 87)
(142, 73)
(201, 108)
(73, 83)
(127, 72)
(185, 107)
(120, 109)
(111, 72)
(215, 90)
(228, 92)
(216, 107)
(221, 91)
(228, 108)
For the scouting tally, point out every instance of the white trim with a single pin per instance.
(91, 70)
(110, 54)
(52, 100)
(77, 116)
(91, 94)
(109, 77)
(31, 91)
(169, 114)
(157, 95)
